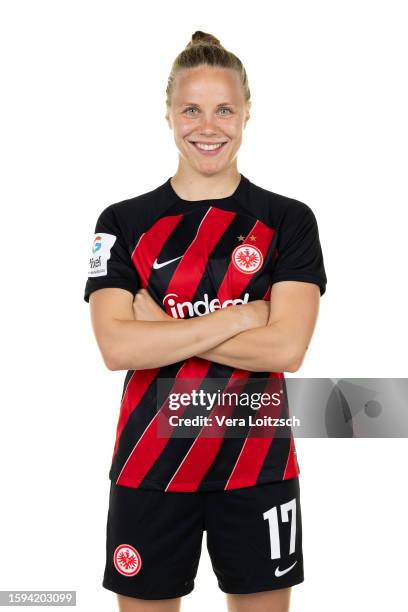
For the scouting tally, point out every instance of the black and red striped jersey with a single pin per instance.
(194, 257)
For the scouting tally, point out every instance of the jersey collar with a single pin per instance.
(240, 194)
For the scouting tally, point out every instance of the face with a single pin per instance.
(208, 108)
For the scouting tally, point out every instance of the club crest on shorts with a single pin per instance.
(247, 258)
(127, 560)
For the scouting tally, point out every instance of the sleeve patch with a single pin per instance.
(100, 253)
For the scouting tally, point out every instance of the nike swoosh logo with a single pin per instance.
(279, 572)
(157, 266)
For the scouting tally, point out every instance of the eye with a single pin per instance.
(188, 111)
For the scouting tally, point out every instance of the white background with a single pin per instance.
(82, 127)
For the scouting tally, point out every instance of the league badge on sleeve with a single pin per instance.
(101, 248)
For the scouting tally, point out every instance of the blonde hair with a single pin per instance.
(205, 49)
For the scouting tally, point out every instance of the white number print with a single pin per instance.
(271, 516)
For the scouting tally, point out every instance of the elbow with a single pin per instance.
(290, 360)
(115, 350)
(118, 360)
(294, 362)
(110, 363)
(114, 360)
(288, 364)
(116, 365)
(293, 367)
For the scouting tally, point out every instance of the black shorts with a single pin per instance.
(254, 539)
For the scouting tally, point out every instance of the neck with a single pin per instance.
(192, 185)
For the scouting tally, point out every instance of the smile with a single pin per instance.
(207, 148)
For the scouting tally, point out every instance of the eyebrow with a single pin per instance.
(196, 104)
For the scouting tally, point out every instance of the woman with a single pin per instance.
(180, 288)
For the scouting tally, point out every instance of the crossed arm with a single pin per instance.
(279, 335)
(258, 336)
(281, 343)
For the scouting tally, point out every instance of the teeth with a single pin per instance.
(207, 147)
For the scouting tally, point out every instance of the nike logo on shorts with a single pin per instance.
(279, 572)
(156, 265)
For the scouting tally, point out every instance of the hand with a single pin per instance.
(146, 309)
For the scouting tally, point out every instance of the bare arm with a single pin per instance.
(280, 344)
(128, 344)
(278, 337)
(255, 351)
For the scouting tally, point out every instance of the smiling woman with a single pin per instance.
(206, 279)
(208, 103)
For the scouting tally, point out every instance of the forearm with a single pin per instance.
(149, 344)
(259, 349)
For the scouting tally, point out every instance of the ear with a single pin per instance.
(248, 116)
(168, 119)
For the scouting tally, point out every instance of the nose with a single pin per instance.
(207, 125)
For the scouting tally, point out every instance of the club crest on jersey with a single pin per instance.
(127, 560)
(247, 258)
(100, 253)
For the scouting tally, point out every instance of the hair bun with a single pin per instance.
(204, 49)
(199, 38)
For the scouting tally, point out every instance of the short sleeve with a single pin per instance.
(299, 253)
(110, 263)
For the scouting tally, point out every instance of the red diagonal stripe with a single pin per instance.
(204, 449)
(149, 446)
(189, 271)
(292, 467)
(135, 389)
(150, 244)
(254, 450)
